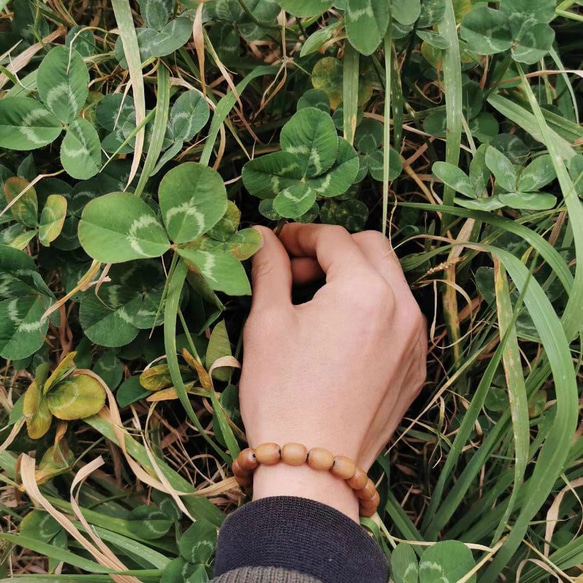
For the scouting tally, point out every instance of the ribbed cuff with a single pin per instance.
(301, 535)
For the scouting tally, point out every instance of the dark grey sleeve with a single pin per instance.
(286, 539)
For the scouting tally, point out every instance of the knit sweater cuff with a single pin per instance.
(300, 535)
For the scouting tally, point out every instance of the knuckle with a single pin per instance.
(370, 237)
(376, 296)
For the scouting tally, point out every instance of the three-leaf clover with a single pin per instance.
(120, 227)
(66, 394)
(515, 188)
(314, 163)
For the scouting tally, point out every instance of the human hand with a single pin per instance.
(339, 371)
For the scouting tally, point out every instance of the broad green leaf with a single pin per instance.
(404, 564)
(104, 319)
(116, 113)
(375, 164)
(52, 219)
(39, 525)
(502, 169)
(491, 203)
(228, 224)
(154, 44)
(537, 174)
(197, 544)
(266, 176)
(62, 371)
(76, 397)
(432, 12)
(315, 42)
(18, 276)
(218, 346)
(342, 174)
(193, 199)
(188, 116)
(305, 7)
(55, 461)
(435, 39)
(311, 136)
(366, 23)
(156, 12)
(369, 136)
(25, 209)
(82, 40)
(327, 76)
(314, 98)
(536, 201)
(81, 150)
(405, 11)
(156, 377)
(26, 124)
(576, 172)
(110, 369)
(36, 412)
(221, 271)
(487, 31)
(130, 391)
(446, 562)
(22, 327)
(455, 178)
(244, 244)
(533, 43)
(63, 82)
(148, 522)
(247, 22)
(295, 200)
(120, 227)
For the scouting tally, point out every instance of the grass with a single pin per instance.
(490, 455)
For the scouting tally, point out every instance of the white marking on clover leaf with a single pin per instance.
(113, 295)
(124, 316)
(13, 314)
(287, 194)
(189, 209)
(410, 567)
(207, 265)
(62, 90)
(63, 405)
(146, 313)
(27, 131)
(289, 168)
(325, 184)
(356, 14)
(138, 224)
(179, 116)
(301, 149)
(30, 326)
(315, 160)
(275, 184)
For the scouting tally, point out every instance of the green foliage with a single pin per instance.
(141, 142)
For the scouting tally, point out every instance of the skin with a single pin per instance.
(339, 371)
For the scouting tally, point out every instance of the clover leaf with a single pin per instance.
(314, 163)
(67, 394)
(516, 188)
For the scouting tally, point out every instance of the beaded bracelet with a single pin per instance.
(318, 458)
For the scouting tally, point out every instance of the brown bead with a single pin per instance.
(244, 482)
(359, 480)
(368, 491)
(247, 460)
(294, 454)
(343, 467)
(268, 454)
(239, 471)
(320, 459)
(369, 507)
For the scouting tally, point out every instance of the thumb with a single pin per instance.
(272, 275)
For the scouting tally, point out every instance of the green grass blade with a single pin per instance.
(127, 32)
(350, 82)
(159, 128)
(387, 128)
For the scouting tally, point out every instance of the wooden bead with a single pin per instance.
(368, 491)
(320, 459)
(359, 480)
(239, 471)
(369, 507)
(294, 454)
(268, 454)
(247, 460)
(244, 482)
(343, 468)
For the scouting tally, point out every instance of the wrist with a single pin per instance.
(305, 482)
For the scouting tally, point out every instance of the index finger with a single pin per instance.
(332, 246)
